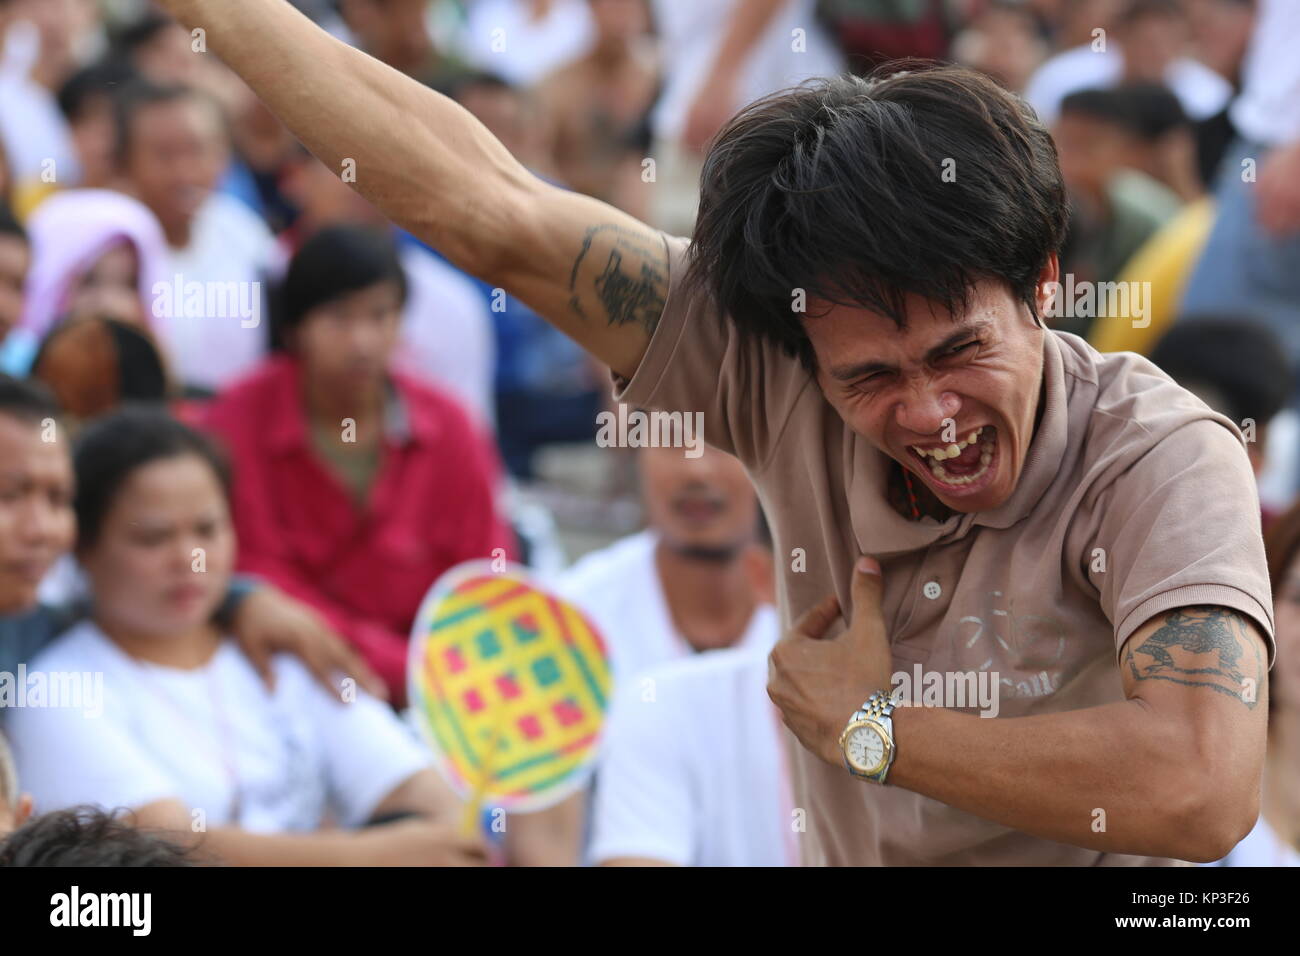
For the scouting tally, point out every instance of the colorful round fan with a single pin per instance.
(510, 685)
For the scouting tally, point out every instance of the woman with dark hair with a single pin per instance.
(1275, 841)
(355, 486)
(182, 731)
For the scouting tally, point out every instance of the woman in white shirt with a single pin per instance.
(1275, 841)
(182, 731)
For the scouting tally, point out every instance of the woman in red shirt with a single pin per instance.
(355, 487)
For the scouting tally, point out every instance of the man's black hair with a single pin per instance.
(862, 191)
(335, 262)
(86, 836)
(103, 78)
(113, 448)
(26, 400)
(1243, 362)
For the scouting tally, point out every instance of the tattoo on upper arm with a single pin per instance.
(1202, 646)
(625, 271)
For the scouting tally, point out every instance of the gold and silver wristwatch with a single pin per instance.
(868, 740)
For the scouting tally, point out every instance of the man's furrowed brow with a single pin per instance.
(960, 333)
(848, 373)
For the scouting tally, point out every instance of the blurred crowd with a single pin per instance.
(241, 349)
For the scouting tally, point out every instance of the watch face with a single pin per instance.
(865, 748)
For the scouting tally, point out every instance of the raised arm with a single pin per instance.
(596, 273)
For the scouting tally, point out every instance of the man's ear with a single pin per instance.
(1048, 279)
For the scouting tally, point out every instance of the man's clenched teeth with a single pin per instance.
(951, 451)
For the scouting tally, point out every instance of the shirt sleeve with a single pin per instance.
(643, 807)
(1181, 527)
(368, 751)
(742, 391)
(68, 756)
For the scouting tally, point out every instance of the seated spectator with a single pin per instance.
(41, 40)
(1221, 31)
(693, 766)
(1148, 41)
(95, 364)
(675, 590)
(15, 806)
(94, 253)
(86, 104)
(86, 101)
(595, 105)
(15, 261)
(1115, 208)
(355, 485)
(173, 149)
(1237, 367)
(38, 526)
(1158, 142)
(189, 738)
(1161, 141)
(1275, 840)
(448, 338)
(88, 837)
(1002, 41)
(871, 33)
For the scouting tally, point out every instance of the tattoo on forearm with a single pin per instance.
(1202, 646)
(625, 271)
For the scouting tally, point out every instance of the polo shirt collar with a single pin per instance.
(882, 532)
(287, 430)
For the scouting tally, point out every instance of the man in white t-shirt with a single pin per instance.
(174, 152)
(673, 591)
(694, 772)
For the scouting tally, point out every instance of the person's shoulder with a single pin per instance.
(252, 389)
(1133, 406)
(83, 646)
(1070, 69)
(709, 680)
(590, 574)
(437, 414)
(227, 212)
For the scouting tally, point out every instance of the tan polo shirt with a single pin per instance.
(1125, 465)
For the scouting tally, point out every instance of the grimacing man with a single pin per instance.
(858, 318)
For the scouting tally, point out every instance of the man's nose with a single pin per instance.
(924, 411)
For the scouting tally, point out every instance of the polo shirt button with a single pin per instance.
(932, 590)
